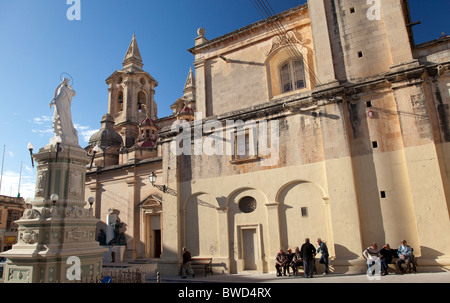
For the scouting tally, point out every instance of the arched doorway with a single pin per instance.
(151, 209)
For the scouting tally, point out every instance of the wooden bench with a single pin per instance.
(296, 273)
(413, 260)
(395, 258)
(204, 263)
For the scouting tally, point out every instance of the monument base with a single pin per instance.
(56, 237)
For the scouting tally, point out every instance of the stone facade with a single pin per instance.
(361, 153)
(11, 209)
(360, 114)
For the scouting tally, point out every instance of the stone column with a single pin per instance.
(200, 83)
(322, 44)
(343, 201)
(273, 224)
(171, 233)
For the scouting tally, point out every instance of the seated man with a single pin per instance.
(296, 261)
(386, 258)
(404, 256)
(372, 256)
(290, 256)
(281, 261)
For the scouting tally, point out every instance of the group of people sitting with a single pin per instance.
(306, 254)
(302, 257)
(384, 256)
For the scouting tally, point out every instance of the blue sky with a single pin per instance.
(38, 43)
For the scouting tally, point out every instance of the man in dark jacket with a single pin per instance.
(307, 253)
(386, 258)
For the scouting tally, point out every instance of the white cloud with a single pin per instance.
(42, 120)
(84, 131)
(10, 184)
(88, 134)
(42, 132)
(11, 154)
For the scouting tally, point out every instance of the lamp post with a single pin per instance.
(152, 179)
(163, 188)
(30, 148)
(58, 143)
(91, 202)
(54, 199)
(94, 151)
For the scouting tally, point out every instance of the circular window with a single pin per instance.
(247, 204)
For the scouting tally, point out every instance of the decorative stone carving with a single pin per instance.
(76, 212)
(29, 236)
(31, 214)
(76, 234)
(286, 39)
(41, 180)
(75, 182)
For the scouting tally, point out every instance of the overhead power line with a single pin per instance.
(266, 11)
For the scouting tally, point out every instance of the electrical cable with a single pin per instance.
(267, 12)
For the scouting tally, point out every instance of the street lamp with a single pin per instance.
(91, 201)
(163, 188)
(58, 143)
(54, 199)
(30, 148)
(152, 178)
(94, 151)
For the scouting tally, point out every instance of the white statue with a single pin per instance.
(62, 118)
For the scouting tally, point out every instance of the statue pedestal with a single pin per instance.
(56, 238)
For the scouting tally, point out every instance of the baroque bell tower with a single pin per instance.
(131, 95)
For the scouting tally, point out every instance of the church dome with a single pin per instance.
(106, 136)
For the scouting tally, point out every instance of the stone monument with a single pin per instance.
(56, 240)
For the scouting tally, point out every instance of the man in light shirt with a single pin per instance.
(372, 256)
(404, 256)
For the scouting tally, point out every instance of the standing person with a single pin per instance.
(386, 258)
(372, 256)
(323, 249)
(186, 268)
(307, 253)
(281, 262)
(404, 256)
(113, 253)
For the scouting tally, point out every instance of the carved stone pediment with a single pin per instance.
(286, 39)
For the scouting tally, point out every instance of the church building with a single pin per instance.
(323, 121)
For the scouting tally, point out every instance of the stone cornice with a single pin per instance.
(244, 30)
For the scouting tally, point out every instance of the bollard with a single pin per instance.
(158, 277)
